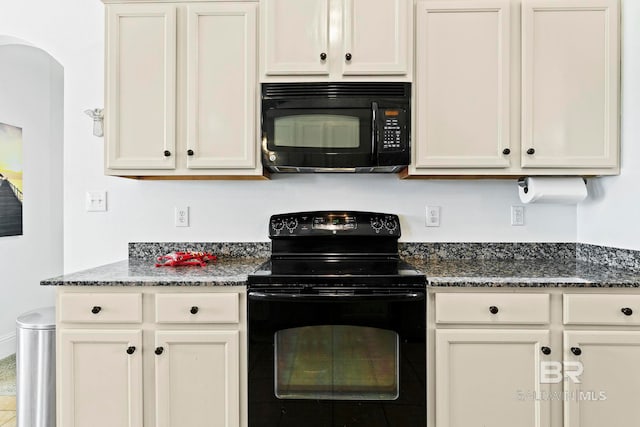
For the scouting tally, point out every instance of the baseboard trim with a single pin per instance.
(7, 345)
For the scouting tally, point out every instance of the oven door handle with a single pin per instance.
(286, 297)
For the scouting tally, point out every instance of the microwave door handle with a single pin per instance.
(374, 128)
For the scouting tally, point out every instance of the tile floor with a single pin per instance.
(7, 411)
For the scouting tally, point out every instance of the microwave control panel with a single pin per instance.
(393, 127)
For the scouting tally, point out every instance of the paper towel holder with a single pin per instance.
(524, 183)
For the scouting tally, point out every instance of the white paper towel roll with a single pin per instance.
(553, 190)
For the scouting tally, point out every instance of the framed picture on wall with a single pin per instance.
(11, 193)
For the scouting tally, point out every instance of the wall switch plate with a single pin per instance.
(517, 215)
(182, 216)
(433, 216)
(96, 201)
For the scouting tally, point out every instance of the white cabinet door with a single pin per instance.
(570, 74)
(607, 394)
(140, 86)
(295, 36)
(197, 379)
(221, 85)
(100, 383)
(490, 378)
(462, 84)
(376, 37)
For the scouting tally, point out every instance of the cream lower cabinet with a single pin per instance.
(607, 393)
(100, 377)
(602, 339)
(169, 357)
(181, 89)
(487, 365)
(546, 357)
(197, 378)
(490, 377)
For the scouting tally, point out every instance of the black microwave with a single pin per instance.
(336, 127)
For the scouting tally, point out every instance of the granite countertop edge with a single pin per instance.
(226, 272)
(520, 283)
(440, 274)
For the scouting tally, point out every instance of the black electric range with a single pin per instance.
(336, 325)
(333, 248)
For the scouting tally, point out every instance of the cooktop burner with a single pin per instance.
(330, 248)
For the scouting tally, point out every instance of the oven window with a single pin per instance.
(317, 131)
(336, 362)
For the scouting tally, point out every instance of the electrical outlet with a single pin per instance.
(433, 216)
(517, 215)
(95, 201)
(182, 216)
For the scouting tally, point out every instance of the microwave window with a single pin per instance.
(317, 131)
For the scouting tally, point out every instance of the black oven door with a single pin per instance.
(318, 136)
(337, 357)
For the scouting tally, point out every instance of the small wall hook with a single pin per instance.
(97, 114)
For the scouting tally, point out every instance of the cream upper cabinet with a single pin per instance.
(490, 378)
(295, 36)
(99, 378)
(181, 89)
(140, 111)
(609, 379)
(376, 37)
(221, 85)
(197, 378)
(336, 39)
(463, 84)
(516, 87)
(570, 83)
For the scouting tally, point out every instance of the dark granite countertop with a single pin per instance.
(224, 272)
(524, 273)
(445, 265)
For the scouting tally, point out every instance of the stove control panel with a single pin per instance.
(337, 223)
(334, 222)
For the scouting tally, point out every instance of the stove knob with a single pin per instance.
(277, 224)
(292, 224)
(376, 224)
(390, 224)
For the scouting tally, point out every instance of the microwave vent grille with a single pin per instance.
(334, 90)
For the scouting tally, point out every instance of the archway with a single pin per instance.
(31, 100)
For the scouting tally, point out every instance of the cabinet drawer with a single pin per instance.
(197, 308)
(101, 308)
(492, 308)
(599, 309)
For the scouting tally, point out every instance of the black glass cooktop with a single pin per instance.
(335, 248)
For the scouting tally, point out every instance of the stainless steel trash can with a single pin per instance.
(36, 368)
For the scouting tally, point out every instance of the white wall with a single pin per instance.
(31, 85)
(233, 211)
(611, 215)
